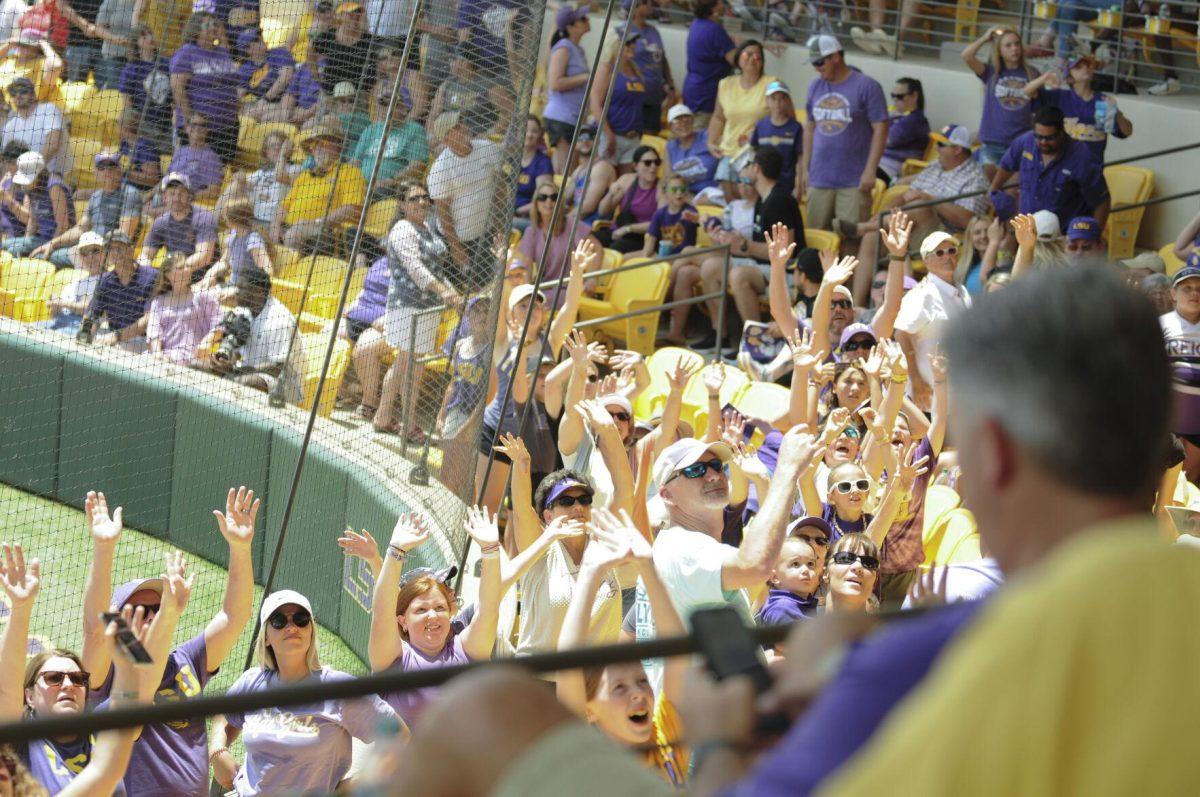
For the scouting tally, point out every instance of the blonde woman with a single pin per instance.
(300, 749)
(1006, 108)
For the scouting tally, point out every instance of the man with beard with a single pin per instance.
(324, 199)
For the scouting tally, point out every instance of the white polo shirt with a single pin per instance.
(924, 310)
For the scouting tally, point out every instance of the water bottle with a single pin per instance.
(1102, 110)
(664, 248)
(727, 219)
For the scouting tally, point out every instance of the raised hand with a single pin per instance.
(597, 352)
(800, 448)
(803, 357)
(995, 232)
(564, 527)
(482, 527)
(101, 526)
(872, 364)
(608, 385)
(733, 427)
(577, 347)
(874, 424)
(679, 377)
(409, 533)
(841, 271)
(621, 359)
(1025, 228)
(910, 469)
(838, 420)
(514, 448)
(359, 544)
(20, 581)
(608, 547)
(714, 378)
(824, 375)
(620, 527)
(745, 459)
(177, 583)
(930, 587)
(896, 361)
(939, 364)
(595, 416)
(586, 256)
(897, 235)
(779, 244)
(241, 511)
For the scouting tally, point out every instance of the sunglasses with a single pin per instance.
(620, 416)
(279, 620)
(567, 501)
(547, 197)
(744, 181)
(862, 485)
(843, 304)
(1040, 137)
(846, 558)
(899, 97)
(851, 431)
(855, 345)
(813, 540)
(654, 162)
(148, 608)
(698, 469)
(820, 62)
(418, 198)
(952, 251)
(16, 92)
(56, 678)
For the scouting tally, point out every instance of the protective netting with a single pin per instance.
(218, 218)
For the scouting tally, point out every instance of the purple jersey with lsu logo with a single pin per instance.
(1006, 110)
(841, 115)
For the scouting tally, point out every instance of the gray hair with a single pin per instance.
(1152, 281)
(1071, 363)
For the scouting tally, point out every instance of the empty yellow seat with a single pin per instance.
(1126, 185)
(763, 400)
(23, 288)
(823, 240)
(1167, 253)
(939, 499)
(74, 93)
(636, 289)
(954, 539)
(381, 216)
(877, 195)
(661, 365)
(58, 282)
(96, 115)
(314, 347)
(252, 135)
(328, 274)
(83, 171)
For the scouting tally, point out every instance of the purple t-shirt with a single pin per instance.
(238, 247)
(180, 326)
(625, 109)
(55, 764)
(1079, 117)
(876, 675)
(788, 138)
(43, 208)
(300, 749)
(257, 79)
(1006, 109)
(707, 44)
(411, 703)
(124, 304)
(527, 178)
(695, 163)
(148, 86)
(471, 18)
(201, 165)
(673, 228)
(182, 236)
(908, 136)
(212, 84)
(840, 526)
(783, 607)
(650, 56)
(371, 303)
(305, 87)
(565, 106)
(171, 759)
(842, 115)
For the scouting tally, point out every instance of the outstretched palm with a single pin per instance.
(482, 527)
(410, 532)
(241, 511)
(102, 526)
(20, 581)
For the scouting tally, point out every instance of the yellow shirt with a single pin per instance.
(742, 108)
(46, 90)
(308, 200)
(668, 756)
(1079, 679)
(167, 21)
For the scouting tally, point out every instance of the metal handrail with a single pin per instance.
(633, 266)
(704, 297)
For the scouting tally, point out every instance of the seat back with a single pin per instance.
(380, 217)
(823, 240)
(695, 396)
(22, 286)
(765, 401)
(647, 284)
(74, 93)
(661, 364)
(83, 172)
(1167, 253)
(877, 195)
(954, 539)
(939, 499)
(314, 346)
(1126, 185)
(58, 282)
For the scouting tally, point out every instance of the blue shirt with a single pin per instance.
(876, 675)
(788, 138)
(783, 607)
(695, 163)
(1071, 185)
(124, 304)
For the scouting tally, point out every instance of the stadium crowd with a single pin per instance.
(947, 365)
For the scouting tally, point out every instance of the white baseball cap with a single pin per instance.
(682, 453)
(90, 238)
(522, 292)
(1047, 225)
(29, 166)
(678, 111)
(778, 87)
(281, 598)
(822, 46)
(934, 240)
(957, 135)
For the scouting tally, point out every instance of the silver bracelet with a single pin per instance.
(395, 552)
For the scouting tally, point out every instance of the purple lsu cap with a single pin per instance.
(1083, 228)
(811, 521)
(564, 484)
(126, 590)
(856, 329)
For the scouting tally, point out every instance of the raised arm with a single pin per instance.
(764, 535)
(237, 527)
(898, 491)
(664, 435)
(385, 644)
(480, 636)
(20, 582)
(895, 239)
(970, 54)
(714, 378)
(528, 525)
(561, 528)
(804, 359)
(1025, 229)
(1050, 80)
(779, 251)
(105, 531)
(361, 544)
(1183, 243)
(940, 411)
(585, 258)
(177, 589)
(837, 274)
(616, 460)
(570, 427)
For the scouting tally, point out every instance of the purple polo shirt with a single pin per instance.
(171, 759)
(876, 675)
(1079, 117)
(123, 304)
(707, 43)
(841, 115)
(182, 236)
(257, 79)
(1072, 185)
(201, 165)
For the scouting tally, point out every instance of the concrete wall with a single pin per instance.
(954, 94)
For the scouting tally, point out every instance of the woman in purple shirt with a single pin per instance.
(634, 198)
(1089, 116)
(621, 128)
(566, 76)
(1006, 110)
(709, 58)
(536, 169)
(180, 320)
(246, 244)
(204, 79)
(908, 134)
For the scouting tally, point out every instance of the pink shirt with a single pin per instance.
(181, 325)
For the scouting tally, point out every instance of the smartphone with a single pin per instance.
(730, 649)
(127, 643)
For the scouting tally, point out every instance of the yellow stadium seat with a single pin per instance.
(939, 499)
(661, 365)
(954, 539)
(611, 259)
(74, 93)
(877, 195)
(823, 240)
(23, 288)
(251, 138)
(913, 166)
(83, 172)
(380, 217)
(1167, 253)
(966, 20)
(1126, 185)
(695, 396)
(707, 212)
(314, 346)
(328, 274)
(96, 116)
(763, 400)
(446, 325)
(631, 290)
(892, 192)
(285, 262)
(278, 32)
(58, 282)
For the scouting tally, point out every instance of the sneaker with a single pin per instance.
(1168, 86)
(887, 44)
(865, 41)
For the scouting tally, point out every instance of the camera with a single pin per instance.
(87, 330)
(232, 333)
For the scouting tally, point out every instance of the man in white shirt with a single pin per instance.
(462, 185)
(926, 308)
(263, 360)
(1181, 333)
(697, 569)
(38, 124)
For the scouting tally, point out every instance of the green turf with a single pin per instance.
(57, 535)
